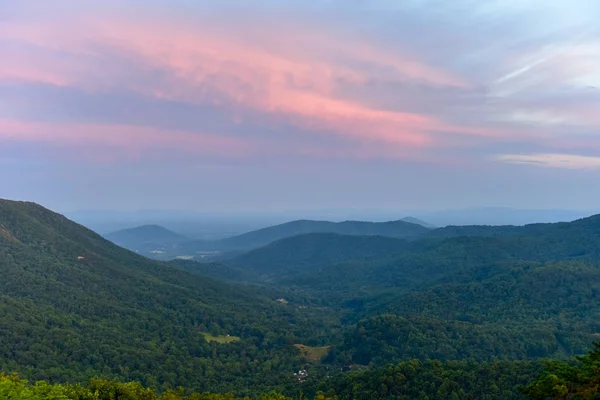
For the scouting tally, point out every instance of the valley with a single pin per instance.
(341, 305)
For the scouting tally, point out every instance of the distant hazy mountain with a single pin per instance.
(146, 238)
(208, 226)
(261, 237)
(417, 221)
(500, 216)
(146, 233)
(565, 231)
(349, 262)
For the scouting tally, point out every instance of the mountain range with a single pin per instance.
(74, 305)
(158, 242)
(447, 308)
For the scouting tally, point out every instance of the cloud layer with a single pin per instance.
(432, 82)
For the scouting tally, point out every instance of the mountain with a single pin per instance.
(261, 237)
(156, 242)
(500, 216)
(413, 220)
(583, 229)
(308, 254)
(532, 310)
(152, 241)
(459, 315)
(74, 305)
(146, 234)
(518, 292)
(343, 263)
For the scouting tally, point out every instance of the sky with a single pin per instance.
(264, 105)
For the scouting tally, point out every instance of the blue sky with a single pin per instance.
(269, 105)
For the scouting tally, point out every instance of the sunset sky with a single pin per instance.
(217, 105)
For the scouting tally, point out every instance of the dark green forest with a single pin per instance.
(455, 313)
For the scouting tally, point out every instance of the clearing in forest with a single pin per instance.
(313, 354)
(220, 338)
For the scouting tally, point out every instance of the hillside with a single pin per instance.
(510, 296)
(262, 237)
(310, 253)
(341, 263)
(500, 216)
(583, 226)
(73, 305)
(530, 311)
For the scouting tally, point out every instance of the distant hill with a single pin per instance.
(579, 228)
(152, 241)
(159, 243)
(500, 216)
(497, 292)
(145, 234)
(261, 237)
(309, 253)
(74, 305)
(413, 220)
(342, 263)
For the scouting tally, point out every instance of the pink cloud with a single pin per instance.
(299, 87)
(127, 140)
(22, 73)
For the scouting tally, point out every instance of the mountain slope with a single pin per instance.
(394, 229)
(533, 310)
(307, 254)
(341, 263)
(579, 227)
(73, 305)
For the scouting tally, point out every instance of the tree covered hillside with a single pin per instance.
(74, 306)
(511, 297)
(265, 236)
(368, 317)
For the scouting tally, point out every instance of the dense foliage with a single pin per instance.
(406, 380)
(13, 388)
(74, 306)
(436, 318)
(579, 380)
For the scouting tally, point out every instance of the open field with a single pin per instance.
(313, 354)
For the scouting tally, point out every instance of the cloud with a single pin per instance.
(198, 66)
(393, 79)
(122, 140)
(566, 161)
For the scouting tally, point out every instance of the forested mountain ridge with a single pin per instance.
(384, 261)
(265, 236)
(308, 253)
(589, 224)
(395, 229)
(466, 297)
(159, 243)
(73, 305)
